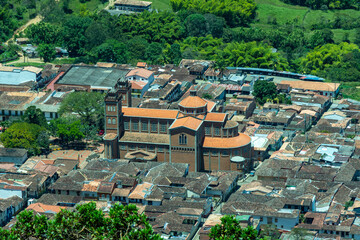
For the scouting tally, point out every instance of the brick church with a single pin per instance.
(194, 134)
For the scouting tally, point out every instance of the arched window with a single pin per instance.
(114, 121)
(109, 120)
(182, 139)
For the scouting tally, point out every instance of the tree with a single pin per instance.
(74, 34)
(215, 25)
(47, 52)
(235, 12)
(264, 90)
(88, 105)
(69, 132)
(321, 37)
(153, 53)
(174, 54)
(34, 115)
(85, 222)
(195, 25)
(137, 47)
(44, 33)
(230, 229)
(23, 135)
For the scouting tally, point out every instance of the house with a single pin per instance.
(212, 75)
(140, 74)
(18, 78)
(139, 88)
(322, 88)
(132, 5)
(13, 155)
(9, 207)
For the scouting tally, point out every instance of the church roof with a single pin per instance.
(188, 122)
(193, 102)
(232, 142)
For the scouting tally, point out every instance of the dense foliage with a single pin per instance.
(235, 12)
(264, 91)
(230, 229)
(326, 4)
(339, 62)
(85, 222)
(89, 106)
(25, 135)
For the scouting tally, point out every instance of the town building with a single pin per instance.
(194, 134)
(132, 5)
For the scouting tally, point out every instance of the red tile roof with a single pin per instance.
(215, 117)
(193, 102)
(141, 72)
(188, 122)
(43, 208)
(139, 85)
(233, 142)
(150, 113)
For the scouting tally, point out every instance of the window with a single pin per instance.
(132, 147)
(144, 126)
(239, 166)
(109, 109)
(153, 127)
(114, 121)
(109, 120)
(217, 131)
(123, 147)
(135, 126)
(182, 139)
(163, 127)
(214, 153)
(207, 130)
(151, 148)
(261, 219)
(225, 153)
(126, 125)
(160, 149)
(276, 220)
(236, 152)
(113, 108)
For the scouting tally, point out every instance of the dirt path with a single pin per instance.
(35, 20)
(111, 3)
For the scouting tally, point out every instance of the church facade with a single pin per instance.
(194, 134)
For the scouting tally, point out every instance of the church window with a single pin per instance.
(182, 139)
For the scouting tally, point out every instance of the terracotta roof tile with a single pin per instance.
(210, 105)
(216, 117)
(43, 208)
(139, 85)
(234, 142)
(188, 122)
(150, 113)
(313, 86)
(141, 72)
(193, 102)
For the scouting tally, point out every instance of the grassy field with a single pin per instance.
(161, 4)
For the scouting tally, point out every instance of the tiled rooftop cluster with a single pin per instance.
(303, 171)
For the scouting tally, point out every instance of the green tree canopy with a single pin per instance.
(89, 106)
(44, 33)
(24, 135)
(85, 222)
(235, 12)
(264, 90)
(67, 129)
(34, 115)
(326, 57)
(47, 52)
(230, 229)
